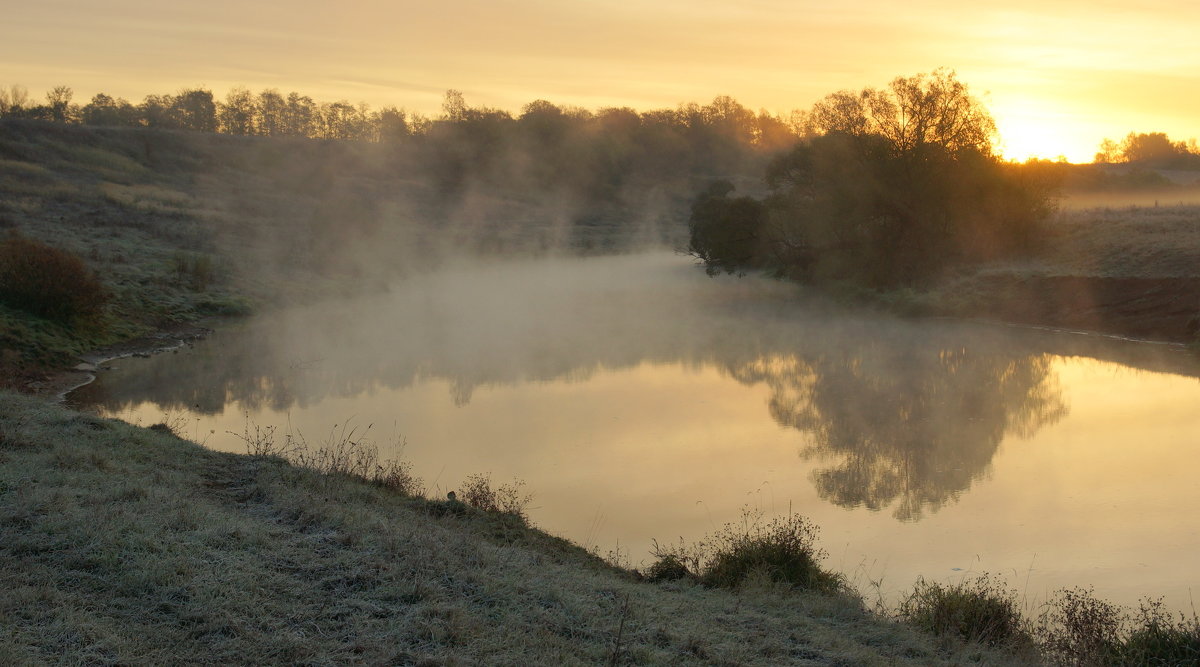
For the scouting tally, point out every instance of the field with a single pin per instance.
(1128, 271)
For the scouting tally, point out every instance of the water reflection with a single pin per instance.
(898, 413)
(911, 425)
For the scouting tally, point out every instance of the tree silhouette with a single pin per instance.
(195, 110)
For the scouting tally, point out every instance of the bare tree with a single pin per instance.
(13, 100)
(58, 101)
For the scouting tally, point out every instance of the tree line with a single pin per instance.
(1154, 150)
(272, 113)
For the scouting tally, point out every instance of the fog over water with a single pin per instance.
(640, 400)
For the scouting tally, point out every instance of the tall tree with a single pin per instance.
(271, 108)
(195, 110)
(58, 100)
(236, 115)
(299, 117)
(13, 100)
(159, 111)
(104, 110)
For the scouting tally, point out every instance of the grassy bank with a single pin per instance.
(1126, 271)
(179, 226)
(129, 545)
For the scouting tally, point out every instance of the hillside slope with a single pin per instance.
(128, 545)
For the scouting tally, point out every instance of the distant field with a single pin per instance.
(1182, 196)
(1146, 242)
(1130, 271)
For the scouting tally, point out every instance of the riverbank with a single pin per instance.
(1132, 272)
(1149, 309)
(126, 545)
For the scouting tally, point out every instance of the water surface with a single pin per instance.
(641, 400)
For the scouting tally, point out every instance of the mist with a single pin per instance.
(642, 399)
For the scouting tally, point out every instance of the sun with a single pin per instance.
(1031, 130)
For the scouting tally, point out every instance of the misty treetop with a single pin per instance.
(887, 187)
(1151, 149)
(271, 113)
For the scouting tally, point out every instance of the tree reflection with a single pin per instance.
(903, 414)
(914, 426)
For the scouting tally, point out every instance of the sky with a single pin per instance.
(1058, 75)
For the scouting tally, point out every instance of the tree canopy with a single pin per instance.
(889, 187)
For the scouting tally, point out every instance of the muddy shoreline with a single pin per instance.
(57, 384)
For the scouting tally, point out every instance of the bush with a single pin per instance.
(726, 233)
(1160, 640)
(668, 567)
(782, 550)
(1084, 630)
(978, 610)
(477, 492)
(47, 281)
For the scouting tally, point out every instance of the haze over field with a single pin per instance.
(1058, 75)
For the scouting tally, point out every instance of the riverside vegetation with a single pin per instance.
(131, 545)
(124, 544)
(176, 223)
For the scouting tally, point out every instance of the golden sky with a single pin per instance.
(1059, 75)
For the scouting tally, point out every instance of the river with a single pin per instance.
(640, 400)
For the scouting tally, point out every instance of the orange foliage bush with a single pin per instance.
(48, 281)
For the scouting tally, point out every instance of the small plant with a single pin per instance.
(1159, 639)
(477, 492)
(174, 423)
(667, 567)
(194, 270)
(260, 440)
(346, 451)
(672, 563)
(1082, 629)
(979, 610)
(398, 476)
(47, 281)
(783, 550)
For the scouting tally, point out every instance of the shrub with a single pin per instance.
(47, 281)
(978, 610)
(347, 451)
(193, 270)
(668, 567)
(783, 550)
(477, 492)
(1083, 629)
(1160, 640)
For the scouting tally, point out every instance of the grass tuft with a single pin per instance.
(668, 567)
(780, 551)
(347, 451)
(508, 498)
(1081, 629)
(980, 610)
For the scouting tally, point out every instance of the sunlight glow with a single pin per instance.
(1037, 129)
(1058, 75)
